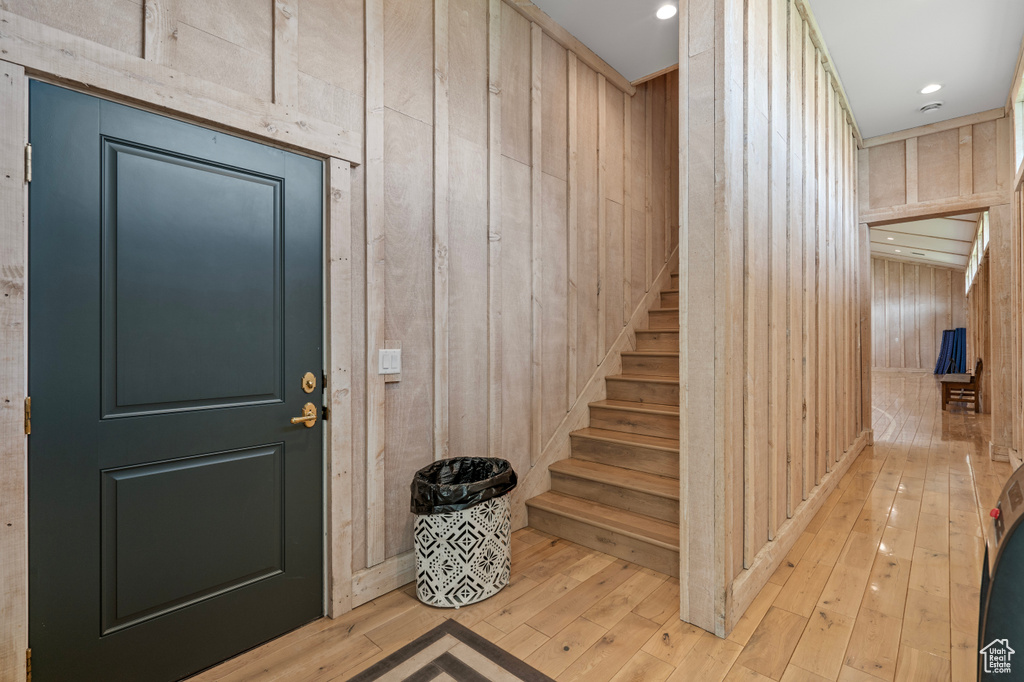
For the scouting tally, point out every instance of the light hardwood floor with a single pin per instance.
(882, 585)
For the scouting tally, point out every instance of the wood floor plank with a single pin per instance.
(603, 660)
(673, 641)
(926, 623)
(614, 606)
(755, 613)
(643, 667)
(875, 643)
(522, 641)
(915, 664)
(530, 604)
(562, 650)
(710, 658)
(660, 604)
(822, 647)
(772, 644)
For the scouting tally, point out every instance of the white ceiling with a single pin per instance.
(936, 241)
(624, 33)
(887, 50)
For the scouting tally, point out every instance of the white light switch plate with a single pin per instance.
(390, 361)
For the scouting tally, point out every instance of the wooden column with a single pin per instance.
(1001, 316)
(536, 238)
(339, 387)
(13, 379)
(441, 215)
(375, 290)
(865, 330)
(494, 227)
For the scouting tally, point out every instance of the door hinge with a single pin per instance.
(28, 417)
(28, 162)
(325, 413)
(323, 382)
(28, 665)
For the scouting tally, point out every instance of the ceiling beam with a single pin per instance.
(917, 261)
(937, 127)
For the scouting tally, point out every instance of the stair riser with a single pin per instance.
(648, 340)
(613, 496)
(670, 300)
(637, 458)
(660, 425)
(674, 282)
(663, 319)
(643, 391)
(651, 366)
(616, 544)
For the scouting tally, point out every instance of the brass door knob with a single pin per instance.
(308, 416)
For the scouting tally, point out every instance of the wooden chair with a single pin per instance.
(962, 388)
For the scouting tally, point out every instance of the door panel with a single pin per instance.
(222, 324)
(175, 513)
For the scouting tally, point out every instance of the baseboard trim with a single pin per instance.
(749, 583)
(998, 453)
(390, 574)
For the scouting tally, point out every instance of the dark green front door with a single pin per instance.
(175, 512)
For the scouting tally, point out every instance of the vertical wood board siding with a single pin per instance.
(770, 233)
(911, 306)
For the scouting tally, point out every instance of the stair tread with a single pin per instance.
(651, 378)
(625, 438)
(652, 484)
(652, 353)
(638, 526)
(630, 406)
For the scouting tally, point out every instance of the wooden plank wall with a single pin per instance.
(979, 332)
(510, 209)
(770, 234)
(956, 166)
(912, 304)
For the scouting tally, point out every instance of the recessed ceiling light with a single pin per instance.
(929, 89)
(666, 11)
(890, 238)
(898, 251)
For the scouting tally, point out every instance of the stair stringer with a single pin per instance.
(538, 479)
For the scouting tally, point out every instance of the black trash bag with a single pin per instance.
(459, 483)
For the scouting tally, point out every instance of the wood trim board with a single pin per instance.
(13, 375)
(69, 60)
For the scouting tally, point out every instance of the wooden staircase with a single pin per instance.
(619, 491)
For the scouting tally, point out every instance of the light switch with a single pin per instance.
(390, 361)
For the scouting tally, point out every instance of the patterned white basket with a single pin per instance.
(464, 557)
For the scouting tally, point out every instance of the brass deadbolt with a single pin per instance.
(309, 382)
